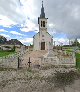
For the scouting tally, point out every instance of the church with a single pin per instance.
(42, 40)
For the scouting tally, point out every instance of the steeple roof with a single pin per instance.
(42, 15)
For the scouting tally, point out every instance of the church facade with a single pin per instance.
(42, 40)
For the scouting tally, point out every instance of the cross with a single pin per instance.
(29, 62)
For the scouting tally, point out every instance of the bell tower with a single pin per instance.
(42, 40)
(42, 21)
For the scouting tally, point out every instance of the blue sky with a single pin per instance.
(18, 19)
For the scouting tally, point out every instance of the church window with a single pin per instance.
(43, 23)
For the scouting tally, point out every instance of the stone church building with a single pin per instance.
(42, 40)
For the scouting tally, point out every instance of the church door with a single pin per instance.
(42, 45)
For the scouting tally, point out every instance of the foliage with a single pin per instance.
(2, 40)
(76, 43)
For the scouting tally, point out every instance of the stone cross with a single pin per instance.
(29, 62)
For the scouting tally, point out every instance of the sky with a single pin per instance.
(19, 19)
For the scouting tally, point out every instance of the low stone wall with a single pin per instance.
(59, 60)
(56, 61)
(9, 62)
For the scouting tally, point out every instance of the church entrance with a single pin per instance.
(42, 45)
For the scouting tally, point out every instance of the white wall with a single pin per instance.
(38, 39)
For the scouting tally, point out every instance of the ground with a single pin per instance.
(33, 80)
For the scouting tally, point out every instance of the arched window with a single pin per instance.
(43, 23)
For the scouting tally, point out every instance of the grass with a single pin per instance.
(77, 60)
(5, 53)
(69, 50)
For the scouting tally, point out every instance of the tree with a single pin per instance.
(76, 43)
(2, 40)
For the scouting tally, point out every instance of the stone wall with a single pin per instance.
(62, 59)
(11, 61)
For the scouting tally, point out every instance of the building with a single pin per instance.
(42, 40)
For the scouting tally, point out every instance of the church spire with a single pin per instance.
(42, 11)
(42, 3)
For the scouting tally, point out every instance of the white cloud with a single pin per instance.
(29, 26)
(2, 30)
(11, 12)
(6, 22)
(16, 33)
(5, 35)
(29, 8)
(27, 41)
(29, 29)
(61, 41)
(51, 25)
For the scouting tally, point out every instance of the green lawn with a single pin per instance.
(77, 60)
(5, 53)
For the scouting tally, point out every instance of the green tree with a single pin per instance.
(2, 40)
(76, 43)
